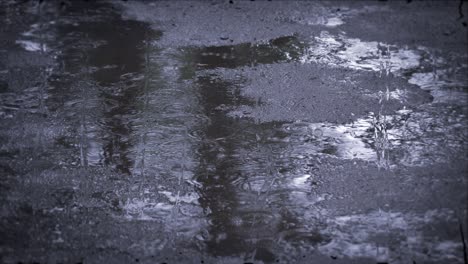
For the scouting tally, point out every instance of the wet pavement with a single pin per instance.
(243, 132)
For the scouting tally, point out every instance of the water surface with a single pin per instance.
(115, 148)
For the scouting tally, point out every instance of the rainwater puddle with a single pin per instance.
(356, 54)
(446, 81)
(332, 17)
(370, 235)
(137, 144)
(282, 49)
(408, 138)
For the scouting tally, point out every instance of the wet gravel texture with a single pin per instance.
(233, 132)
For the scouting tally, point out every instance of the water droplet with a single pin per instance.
(237, 221)
(318, 132)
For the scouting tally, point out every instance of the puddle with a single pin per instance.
(445, 86)
(369, 235)
(330, 139)
(409, 138)
(31, 46)
(281, 49)
(447, 83)
(340, 51)
(331, 17)
(155, 149)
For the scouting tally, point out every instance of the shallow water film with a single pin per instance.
(233, 132)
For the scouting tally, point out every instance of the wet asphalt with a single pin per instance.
(233, 132)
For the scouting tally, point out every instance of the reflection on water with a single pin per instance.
(277, 50)
(381, 227)
(357, 54)
(445, 86)
(331, 16)
(446, 79)
(103, 94)
(144, 135)
(412, 137)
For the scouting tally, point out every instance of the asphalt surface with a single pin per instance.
(233, 132)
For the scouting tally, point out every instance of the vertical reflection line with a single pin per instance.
(142, 147)
(83, 128)
(43, 80)
(181, 176)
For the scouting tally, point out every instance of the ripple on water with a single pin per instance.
(445, 86)
(341, 51)
(447, 81)
(412, 138)
(248, 178)
(369, 235)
